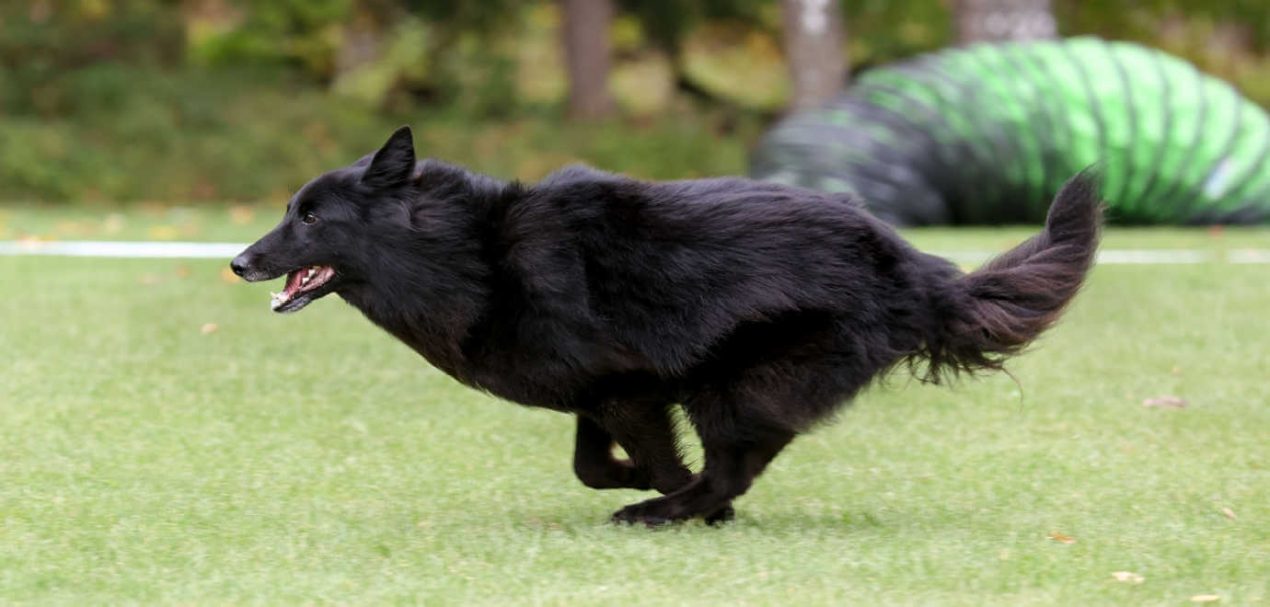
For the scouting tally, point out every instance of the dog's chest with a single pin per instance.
(527, 378)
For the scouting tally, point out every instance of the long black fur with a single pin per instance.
(759, 308)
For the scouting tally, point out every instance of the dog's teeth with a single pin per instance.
(312, 271)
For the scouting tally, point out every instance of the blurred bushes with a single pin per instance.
(41, 40)
(119, 100)
(200, 135)
(143, 134)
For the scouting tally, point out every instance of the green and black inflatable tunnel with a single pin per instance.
(986, 134)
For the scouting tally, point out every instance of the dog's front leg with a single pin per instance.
(645, 432)
(595, 465)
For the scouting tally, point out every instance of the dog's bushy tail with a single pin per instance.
(995, 311)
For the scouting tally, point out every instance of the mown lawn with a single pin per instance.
(164, 438)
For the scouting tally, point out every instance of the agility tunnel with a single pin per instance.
(986, 134)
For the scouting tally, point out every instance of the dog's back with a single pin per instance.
(690, 283)
(763, 308)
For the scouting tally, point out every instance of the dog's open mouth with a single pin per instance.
(303, 286)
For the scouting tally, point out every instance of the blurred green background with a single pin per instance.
(109, 101)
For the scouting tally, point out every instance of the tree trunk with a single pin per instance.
(999, 20)
(588, 57)
(362, 42)
(814, 50)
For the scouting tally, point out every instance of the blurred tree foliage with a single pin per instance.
(44, 44)
(238, 99)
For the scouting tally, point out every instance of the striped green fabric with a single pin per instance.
(986, 134)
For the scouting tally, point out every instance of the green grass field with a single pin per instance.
(147, 458)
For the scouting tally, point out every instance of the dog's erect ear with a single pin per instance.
(394, 163)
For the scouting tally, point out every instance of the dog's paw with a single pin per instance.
(613, 474)
(721, 516)
(650, 514)
(662, 511)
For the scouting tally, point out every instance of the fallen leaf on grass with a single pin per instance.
(1228, 513)
(1205, 598)
(1128, 577)
(1166, 401)
(73, 229)
(190, 229)
(113, 224)
(163, 232)
(227, 276)
(209, 328)
(241, 215)
(183, 271)
(1062, 538)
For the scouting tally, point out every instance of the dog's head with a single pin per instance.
(321, 244)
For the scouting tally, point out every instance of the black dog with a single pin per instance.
(759, 308)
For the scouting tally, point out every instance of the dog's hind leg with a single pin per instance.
(647, 435)
(733, 460)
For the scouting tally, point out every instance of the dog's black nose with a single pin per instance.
(239, 264)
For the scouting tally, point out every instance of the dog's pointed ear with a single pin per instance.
(393, 164)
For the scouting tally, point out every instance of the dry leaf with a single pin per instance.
(163, 232)
(183, 271)
(1230, 514)
(1128, 577)
(228, 276)
(1062, 538)
(209, 328)
(114, 223)
(1166, 401)
(241, 215)
(1205, 598)
(72, 228)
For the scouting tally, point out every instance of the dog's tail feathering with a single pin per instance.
(1000, 308)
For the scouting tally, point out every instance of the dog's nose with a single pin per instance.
(239, 264)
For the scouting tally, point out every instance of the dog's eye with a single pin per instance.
(309, 218)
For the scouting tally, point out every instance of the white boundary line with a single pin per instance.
(226, 250)
(123, 250)
(1115, 257)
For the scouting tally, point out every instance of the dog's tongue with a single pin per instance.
(300, 281)
(294, 281)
